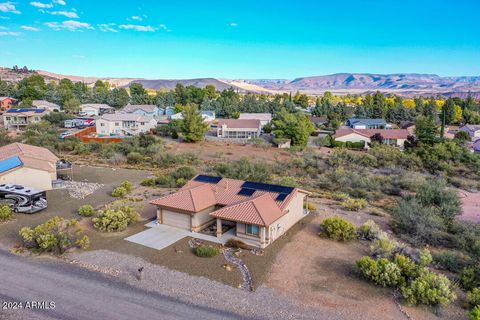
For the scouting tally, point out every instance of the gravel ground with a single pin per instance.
(263, 303)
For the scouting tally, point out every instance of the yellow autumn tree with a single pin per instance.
(458, 115)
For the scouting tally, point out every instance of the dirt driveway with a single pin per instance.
(321, 273)
(61, 204)
(470, 206)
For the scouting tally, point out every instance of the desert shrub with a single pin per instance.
(376, 212)
(206, 251)
(369, 230)
(235, 243)
(470, 277)
(55, 235)
(165, 181)
(408, 267)
(119, 192)
(6, 213)
(134, 157)
(182, 175)
(244, 169)
(445, 202)
(473, 297)
(381, 272)
(288, 181)
(474, 314)
(383, 247)
(352, 204)
(127, 185)
(149, 182)
(340, 196)
(346, 158)
(428, 288)
(425, 258)
(310, 206)
(462, 136)
(416, 223)
(111, 220)
(86, 210)
(339, 229)
(450, 260)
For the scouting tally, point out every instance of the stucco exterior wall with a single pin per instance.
(201, 219)
(28, 177)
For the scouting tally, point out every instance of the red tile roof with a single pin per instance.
(261, 210)
(257, 208)
(386, 133)
(239, 123)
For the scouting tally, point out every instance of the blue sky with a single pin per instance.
(241, 39)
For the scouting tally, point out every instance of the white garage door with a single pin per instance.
(178, 220)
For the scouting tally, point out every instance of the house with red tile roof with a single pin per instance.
(259, 213)
(27, 165)
(239, 129)
(394, 137)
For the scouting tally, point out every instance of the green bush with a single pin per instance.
(127, 185)
(369, 230)
(474, 314)
(206, 251)
(408, 267)
(6, 213)
(112, 220)
(383, 247)
(470, 277)
(86, 210)
(55, 235)
(381, 272)
(352, 204)
(119, 192)
(473, 297)
(149, 182)
(134, 157)
(450, 260)
(339, 229)
(428, 288)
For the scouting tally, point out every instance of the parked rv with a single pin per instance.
(22, 199)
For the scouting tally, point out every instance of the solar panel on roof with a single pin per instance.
(281, 197)
(267, 187)
(10, 163)
(246, 192)
(208, 179)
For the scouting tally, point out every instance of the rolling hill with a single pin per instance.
(406, 84)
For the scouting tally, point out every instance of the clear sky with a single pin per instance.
(241, 39)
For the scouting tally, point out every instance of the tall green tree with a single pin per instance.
(426, 129)
(32, 87)
(192, 126)
(295, 126)
(118, 98)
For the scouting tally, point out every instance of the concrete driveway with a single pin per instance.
(158, 236)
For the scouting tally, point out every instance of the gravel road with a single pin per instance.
(79, 293)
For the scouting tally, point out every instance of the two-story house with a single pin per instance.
(124, 124)
(95, 109)
(20, 118)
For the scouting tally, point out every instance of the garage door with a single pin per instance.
(178, 220)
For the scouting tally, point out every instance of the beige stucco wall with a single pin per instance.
(174, 219)
(33, 178)
(202, 218)
(353, 137)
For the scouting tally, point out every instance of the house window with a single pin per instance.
(8, 118)
(117, 124)
(252, 229)
(142, 123)
(102, 124)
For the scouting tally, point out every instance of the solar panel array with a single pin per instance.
(208, 179)
(281, 196)
(267, 187)
(25, 110)
(246, 192)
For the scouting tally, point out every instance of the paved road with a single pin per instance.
(82, 294)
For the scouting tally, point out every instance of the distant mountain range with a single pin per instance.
(405, 84)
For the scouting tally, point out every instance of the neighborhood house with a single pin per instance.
(95, 109)
(257, 213)
(392, 137)
(238, 129)
(357, 123)
(20, 118)
(472, 130)
(27, 165)
(124, 124)
(143, 110)
(6, 103)
(264, 118)
(42, 104)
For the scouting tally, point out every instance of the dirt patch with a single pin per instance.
(321, 273)
(470, 206)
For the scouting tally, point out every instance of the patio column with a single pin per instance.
(219, 228)
(262, 237)
(306, 208)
